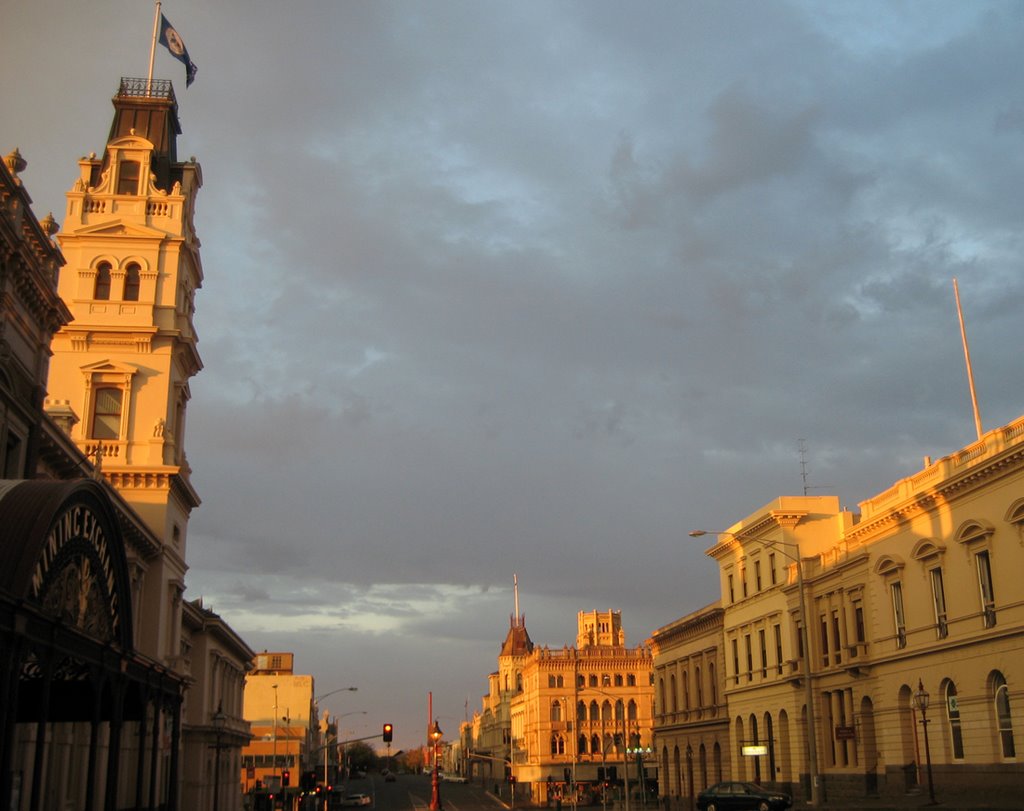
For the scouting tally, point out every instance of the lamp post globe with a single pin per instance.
(435, 787)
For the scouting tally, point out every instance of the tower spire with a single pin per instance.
(515, 589)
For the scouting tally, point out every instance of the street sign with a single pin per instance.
(754, 749)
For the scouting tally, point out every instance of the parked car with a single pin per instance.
(733, 796)
(358, 799)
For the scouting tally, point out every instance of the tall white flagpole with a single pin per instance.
(967, 356)
(152, 48)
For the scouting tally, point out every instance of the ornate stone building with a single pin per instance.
(563, 719)
(110, 683)
(913, 611)
(691, 722)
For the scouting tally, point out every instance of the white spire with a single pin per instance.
(515, 589)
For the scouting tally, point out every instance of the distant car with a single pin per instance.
(733, 796)
(389, 777)
(357, 799)
(456, 778)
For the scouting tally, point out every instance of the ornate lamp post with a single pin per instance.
(218, 725)
(921, 699)
(435, 788)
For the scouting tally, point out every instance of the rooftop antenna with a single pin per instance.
(804, 475)
(967, 357)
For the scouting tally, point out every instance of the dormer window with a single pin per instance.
(128, 177)
(101, 292)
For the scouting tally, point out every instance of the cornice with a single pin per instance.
(953, 486)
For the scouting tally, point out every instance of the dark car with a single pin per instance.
(732, 796)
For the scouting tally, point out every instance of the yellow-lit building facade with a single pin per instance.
(917, 596)
(691, 721)
(279, 707)
(145, 707)
(570, 714)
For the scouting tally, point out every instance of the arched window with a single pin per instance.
(560, 682)
(131, 282)
(593, 680)
(686, 690)
(674, 692)
(554, 745)
(595, 712)
(618, 680)
(661, 695)
(102, 290)
(106, 415)
(956, 735)
(620, 711)
(581, 744)
(551, 680)
(714, 686)
(595, 745)
(581, 711)
(519, 682)
(606, 711)
(631, 712)
(631, 680)
(556, 711)
(700, 687)
(606, 680)
(1004, 722)
(581, 680)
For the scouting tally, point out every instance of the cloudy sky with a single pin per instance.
(538, 287)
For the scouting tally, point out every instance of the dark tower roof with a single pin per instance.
(518, 642)
(150, 110)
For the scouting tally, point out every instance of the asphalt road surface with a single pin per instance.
(411, 792)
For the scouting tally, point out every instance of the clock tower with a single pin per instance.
(120, 371)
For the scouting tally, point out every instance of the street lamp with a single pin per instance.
(435, 788)
(218, 725)
(641, 753)
(921, 699)
(319, 698)
(812, 743)
(274, 686)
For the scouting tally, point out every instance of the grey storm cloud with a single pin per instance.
(535, 288)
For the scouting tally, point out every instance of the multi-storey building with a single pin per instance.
(279, 706)
(691, 724)
(843, 633)
(97, 497)
(577, 717)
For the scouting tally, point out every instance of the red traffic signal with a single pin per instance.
(388, 733)
(286, 778)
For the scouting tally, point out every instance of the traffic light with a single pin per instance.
(286, 778)
(388, 733)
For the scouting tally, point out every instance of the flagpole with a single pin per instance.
(967, 356)
(152, 48)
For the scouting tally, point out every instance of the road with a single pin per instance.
(411, 792)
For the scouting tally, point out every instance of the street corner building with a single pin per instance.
(115, 691)
(565, 723)
(876, 654)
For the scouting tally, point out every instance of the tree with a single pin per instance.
(411, 761)
(359, 756)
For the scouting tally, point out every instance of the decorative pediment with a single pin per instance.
(1015, 515)
(109, 367)
(119, 228)
(974, 531)
(131, 142)
(927, 548)
(889, 565)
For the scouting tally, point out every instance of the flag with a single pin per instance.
(170, 39)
